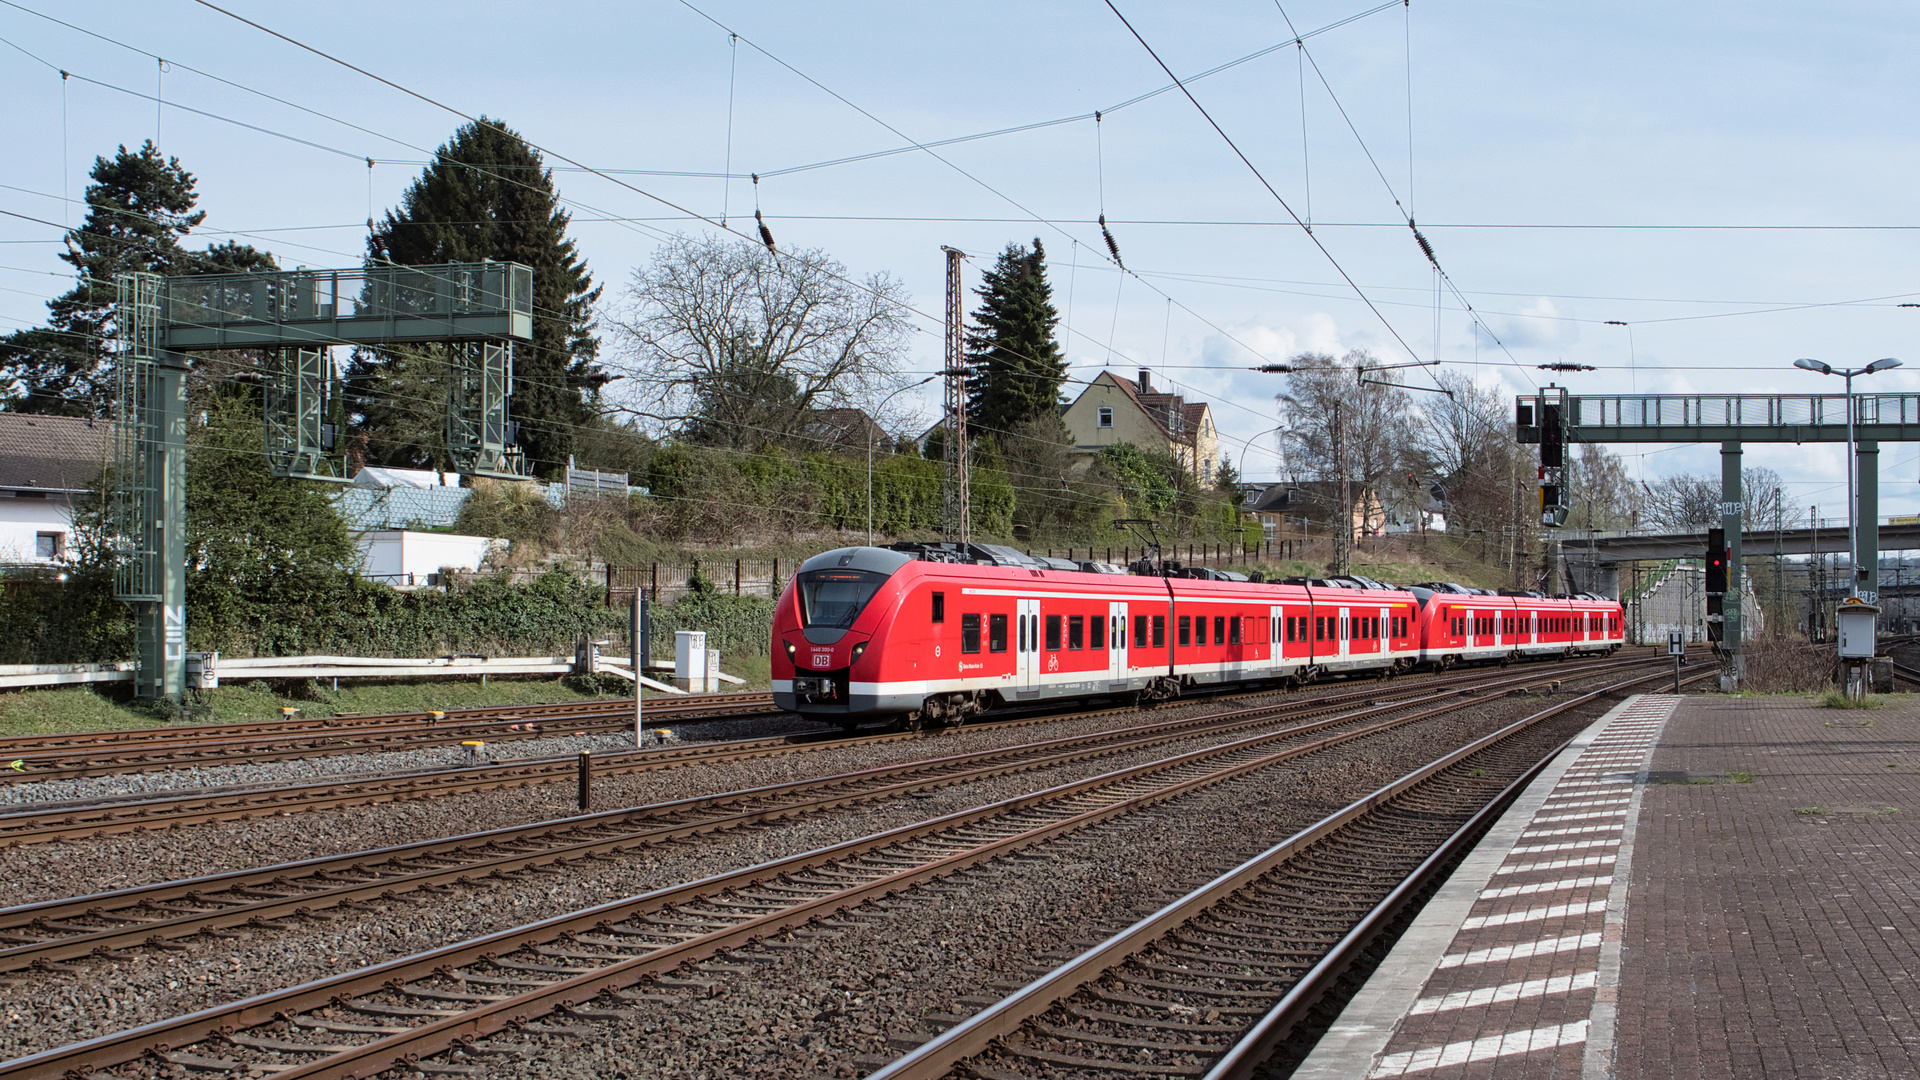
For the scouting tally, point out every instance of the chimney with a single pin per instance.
(1146, 385)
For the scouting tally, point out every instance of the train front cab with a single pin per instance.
(828, 649)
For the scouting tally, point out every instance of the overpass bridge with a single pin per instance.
(1607, 548)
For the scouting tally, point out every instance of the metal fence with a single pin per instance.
(666, 582)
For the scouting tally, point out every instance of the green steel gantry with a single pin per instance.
(477, 310)
(1732, 420)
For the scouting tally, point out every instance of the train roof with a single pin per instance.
(889, 559)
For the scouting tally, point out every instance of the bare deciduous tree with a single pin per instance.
(1337, 425)
(727, 343)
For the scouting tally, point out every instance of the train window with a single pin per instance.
(1053, 633)
(969, 633)
(1139, 631)
(1319, 628)
(1159, 631)
(1023, 633)
(1098, 626)
(1186, 630)
(1219, 629)
(939, 607)
(1200, 630)
(1289, 628)
(833, 599)
(1233, 630)
(996, 633)
(1076, 632)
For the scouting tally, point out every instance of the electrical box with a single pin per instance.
(1856, 621)
(690, 662)
(202, 671)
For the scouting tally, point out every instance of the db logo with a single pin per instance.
(821, 659)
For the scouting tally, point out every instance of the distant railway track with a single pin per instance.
(107, 753)
(578, 965)
(121, 814)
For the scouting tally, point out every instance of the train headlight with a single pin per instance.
(858, 649)
(790, 650)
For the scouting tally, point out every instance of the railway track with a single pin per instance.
(579, 966)
(1210, 984)
(105, 753)
(120, 814)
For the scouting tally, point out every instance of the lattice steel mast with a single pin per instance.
(957, 503)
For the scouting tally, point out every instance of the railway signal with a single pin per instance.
(1716, 583)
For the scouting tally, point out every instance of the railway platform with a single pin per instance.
(1698, 887)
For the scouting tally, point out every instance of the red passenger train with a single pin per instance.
(939, 632)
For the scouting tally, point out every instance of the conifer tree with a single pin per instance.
(1016, 366)
(486, 195)
(139, 208)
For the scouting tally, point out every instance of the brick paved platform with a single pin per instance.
(1699, 887)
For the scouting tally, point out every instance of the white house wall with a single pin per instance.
(22, 520)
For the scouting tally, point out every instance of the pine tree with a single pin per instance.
(140, 206)
(489, 195)
(1016, 366)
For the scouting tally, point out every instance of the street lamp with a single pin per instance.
(1853, 511)
(871, 440)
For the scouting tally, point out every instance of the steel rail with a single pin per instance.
(991, 1027)
(295, 726)
(88, 760)
(649, 934)
(152, 915)
(144, 813)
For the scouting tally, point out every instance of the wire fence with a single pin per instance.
(667, 582)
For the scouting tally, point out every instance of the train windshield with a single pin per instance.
(832, 599)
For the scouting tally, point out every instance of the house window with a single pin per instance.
(49, 545)
(1206, 469)
(1106, 416)
(996, 633)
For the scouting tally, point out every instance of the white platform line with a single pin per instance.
(1557, 864)
(1498, 995)
(1547, 887)
(1481, 1049)
(1511, 918)
(1500, 954)
(1572, 846)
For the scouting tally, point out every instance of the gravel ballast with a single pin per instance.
(880, 981)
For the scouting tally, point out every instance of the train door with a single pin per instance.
(1029, 674)
(1276, 636)
(1117, 640)
(1342, 648)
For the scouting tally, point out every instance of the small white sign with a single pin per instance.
(1676, 643)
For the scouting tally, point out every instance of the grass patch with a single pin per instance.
(1810, 811)
(1834, 699)
(52, 712)
(83, 708)
(1740, 777)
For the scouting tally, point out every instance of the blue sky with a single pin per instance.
(1526, 119)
